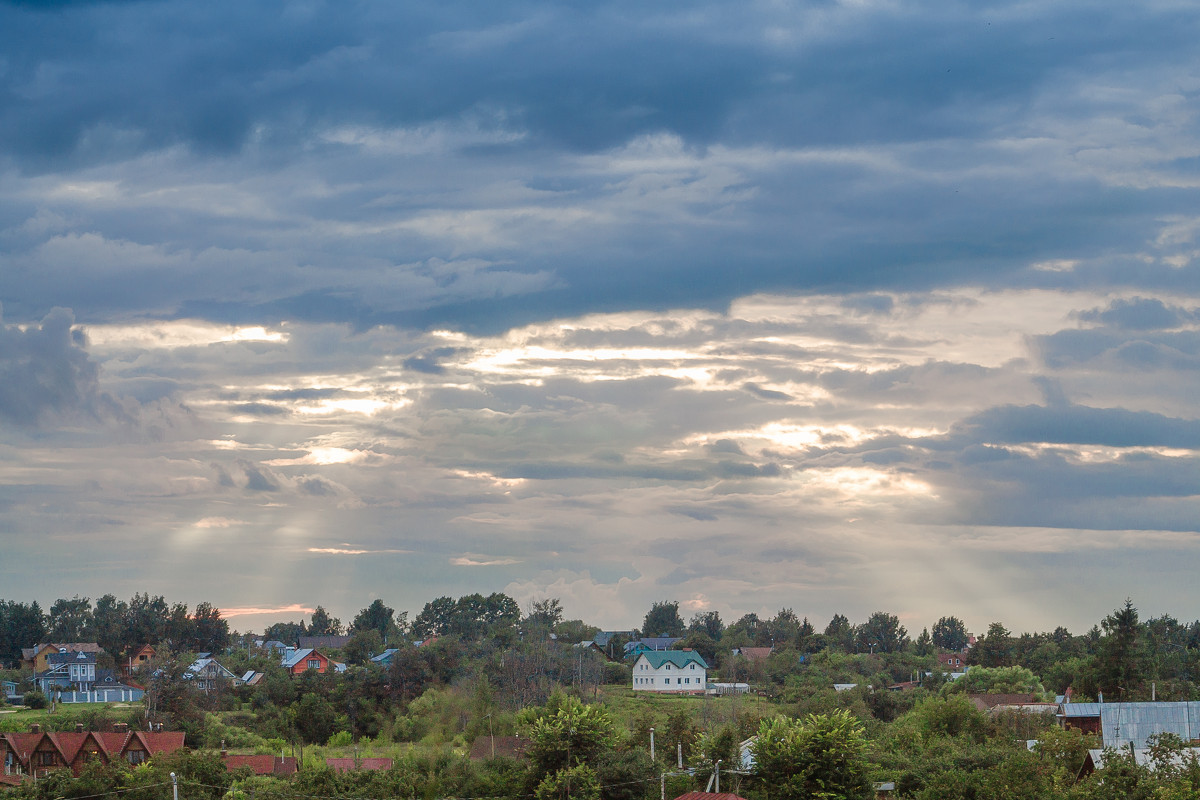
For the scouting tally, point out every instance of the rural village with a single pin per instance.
(476, 698)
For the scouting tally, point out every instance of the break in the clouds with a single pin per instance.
(834, 305)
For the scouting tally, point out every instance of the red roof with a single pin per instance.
(262, 765)
(348, 764)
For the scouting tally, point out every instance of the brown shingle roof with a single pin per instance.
(985, 702)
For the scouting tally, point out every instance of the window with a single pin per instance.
(314, 663)
(46, 759)
(135, 756)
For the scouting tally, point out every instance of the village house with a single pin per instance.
(754, 653)
(300, 661)
(38, 658)
(649, 644)
(208, 674)
(262, 764)
(67, 670)
(670, 671)
(36, 753)
(141, 657)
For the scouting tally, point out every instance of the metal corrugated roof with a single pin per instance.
(1081, 709)
(1125, 723)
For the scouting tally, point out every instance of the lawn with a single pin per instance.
(18, 719)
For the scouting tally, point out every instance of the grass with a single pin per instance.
(18, 719)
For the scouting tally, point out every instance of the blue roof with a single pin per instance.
(297, 657)
(1081, 709)
(679, 658)
(1123, 724)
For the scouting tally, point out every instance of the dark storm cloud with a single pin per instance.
(45, 372)
(1140, 313)
(329, 160)
(1113, 427)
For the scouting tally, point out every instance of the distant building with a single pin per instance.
(262, 765)
(37, 753)
(670, 671)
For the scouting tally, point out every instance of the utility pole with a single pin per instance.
(652, 744)
(718, 773)
(174, 787)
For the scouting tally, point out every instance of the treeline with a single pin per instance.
(120, 627)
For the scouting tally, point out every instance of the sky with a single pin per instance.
(832, 306)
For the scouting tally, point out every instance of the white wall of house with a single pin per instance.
(668, 678)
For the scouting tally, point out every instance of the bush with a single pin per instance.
(35, 699)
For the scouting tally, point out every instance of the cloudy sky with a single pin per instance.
(838, 306)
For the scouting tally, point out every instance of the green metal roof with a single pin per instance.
(679, 658)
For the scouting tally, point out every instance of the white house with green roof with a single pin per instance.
(670, 671)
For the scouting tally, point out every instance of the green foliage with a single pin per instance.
(881, 633)
(950, 634)
(35, 699)
(708, 623)
(625, 774)
(576, 783)
(375, 617)
(663, 619)
(950, 716)
(994, 649)
(996, 680)
(567, 733)
(822, 756)
(546, 612)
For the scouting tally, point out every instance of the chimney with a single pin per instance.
(224, 752)
(79, 727)
(121, 727)
(35, 728)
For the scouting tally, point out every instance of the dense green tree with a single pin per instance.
(745, 630)
(21, 625)
(997, 680)
(994, 649)
(315, 718)
(1119, 662)
(839, 634)
(823, 755)
(71, 621)
(109, 617)
(708, 622)
(663, 619)
(703, 644)
(210, 632)
(881, 633)
(950, 634)
(546, 612)
(321, 624)
(436, 618)
(924, 643)
(572, 783)
(286, 632)
(567, 733)
(624, 774)
(375, 617)
(362, 646)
